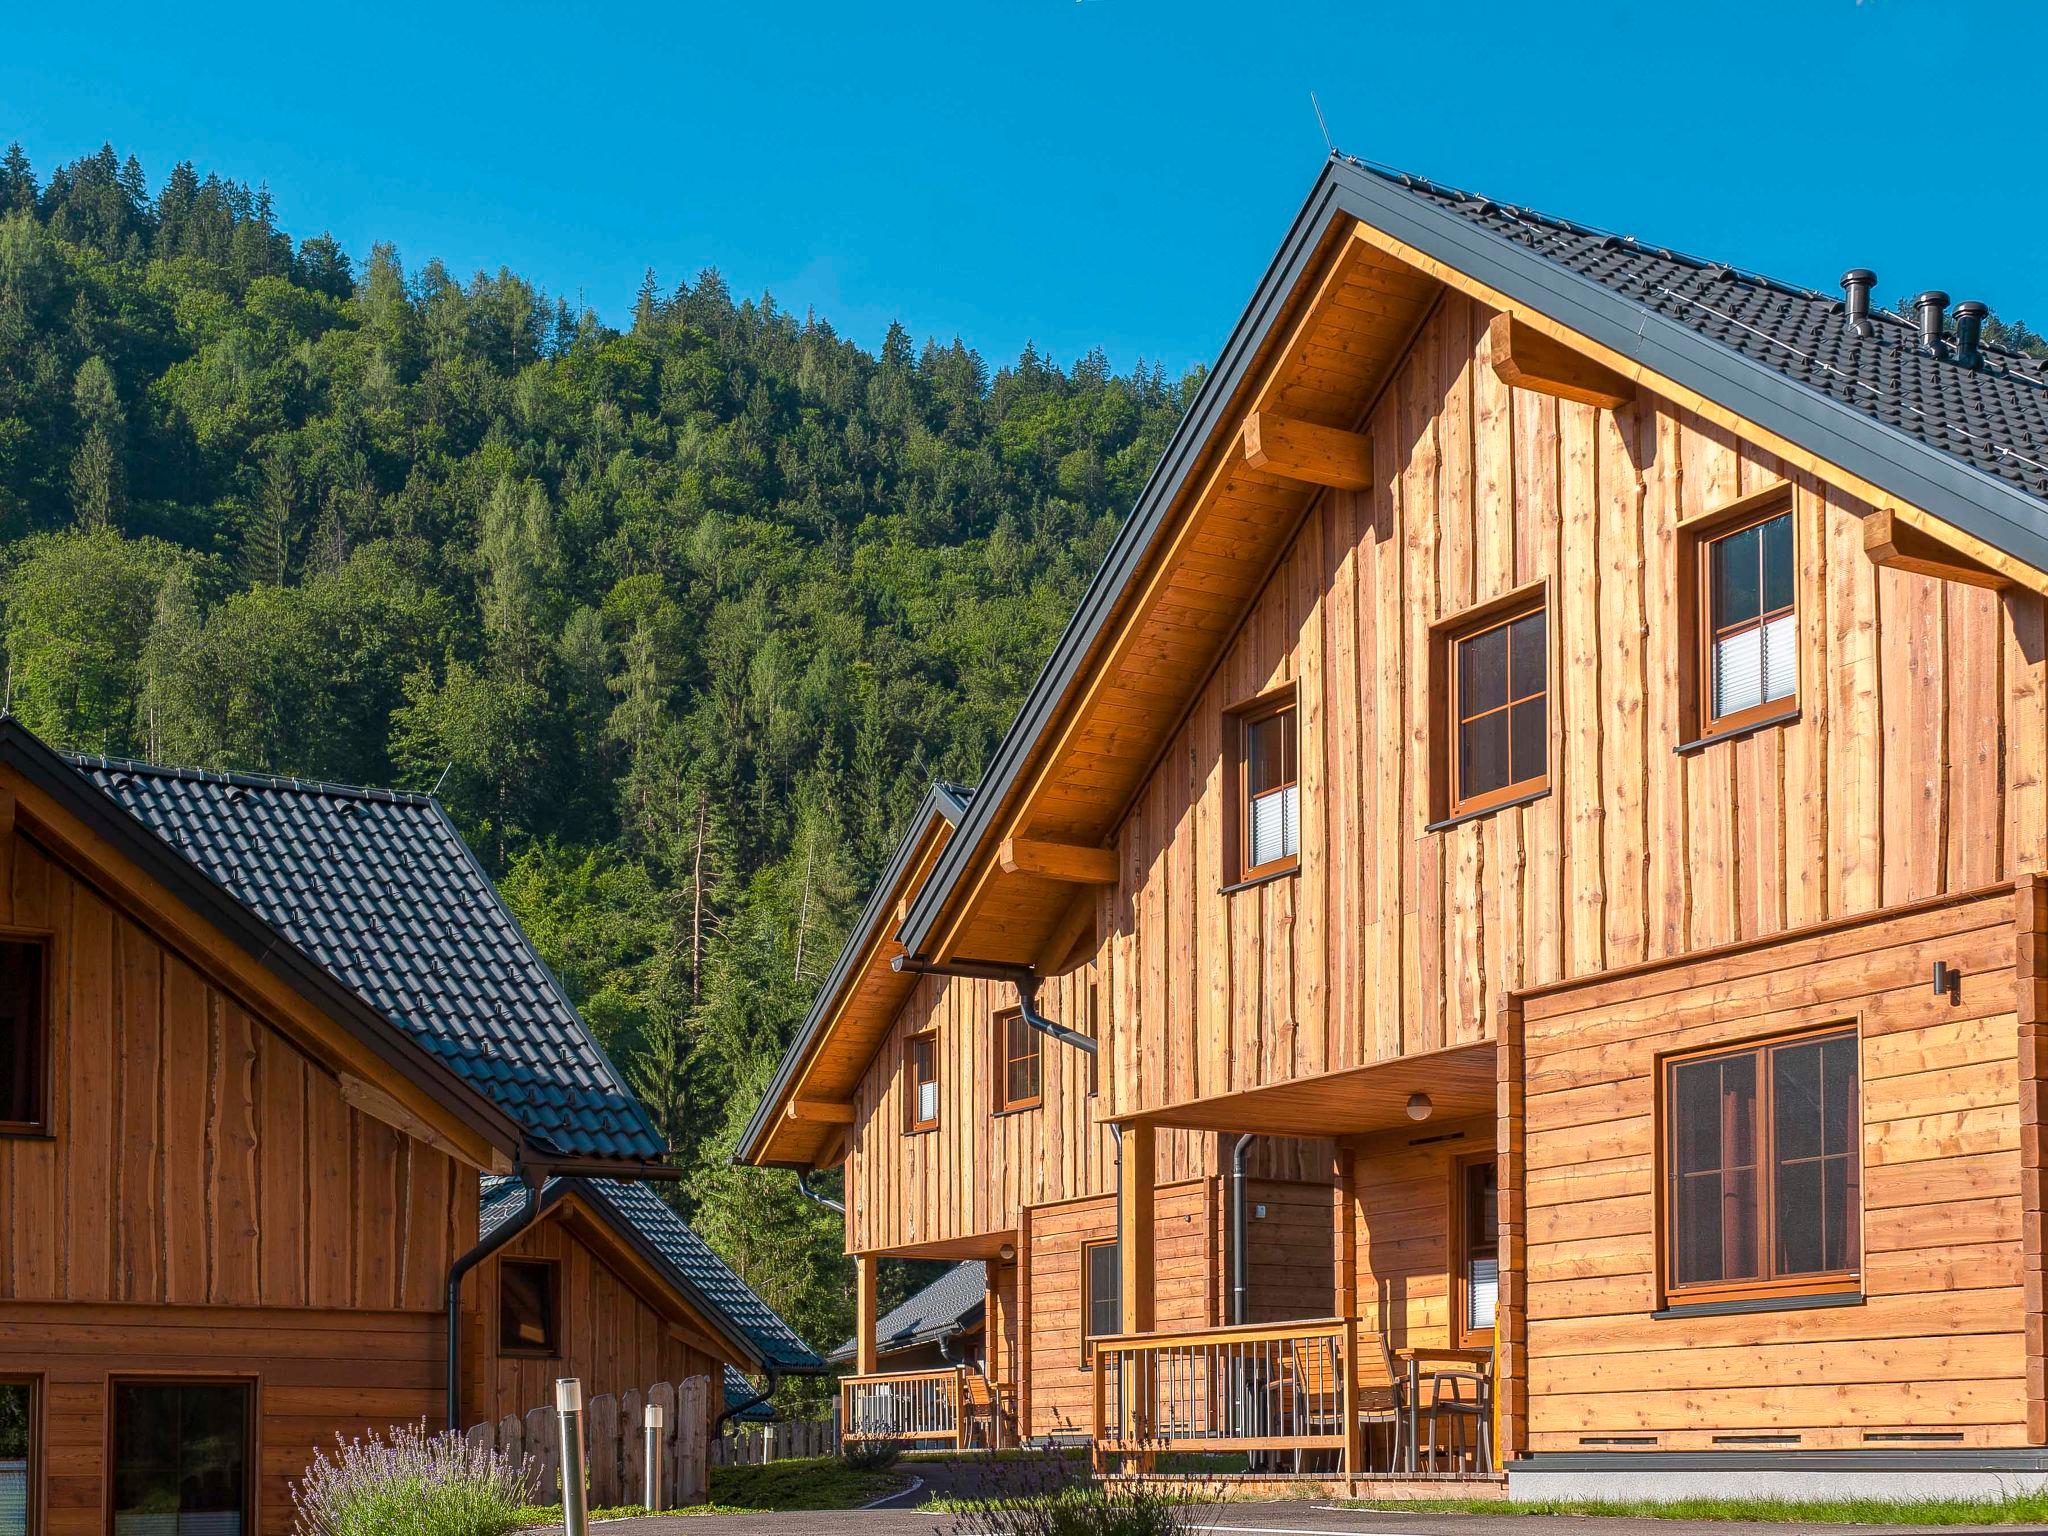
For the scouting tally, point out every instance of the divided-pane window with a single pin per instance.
(1271, 799)
(24, 1037)
(1101, 1294)
(1752, 639)
(17, 1457)
(528, 1300)
(921, 1066)
(1018, 1062)
(1478, 1279)
(1500, 709)
(1762, 1179)
(181, 1456)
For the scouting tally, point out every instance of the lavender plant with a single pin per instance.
(411, 1484)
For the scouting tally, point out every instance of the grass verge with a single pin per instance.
(2013, 1509)
(823, 1482)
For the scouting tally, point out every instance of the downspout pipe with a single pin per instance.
(1022, 977)
(532, 1180)
(760, 1397)
(1240, 1232)
(803, 1184)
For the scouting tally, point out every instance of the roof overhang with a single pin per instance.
(852, 1012)
(1458, 1082)
(970, 907)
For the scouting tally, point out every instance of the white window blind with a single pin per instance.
(1276, 825)
(1482, 1292)
(927, 1101)
(1757, 665)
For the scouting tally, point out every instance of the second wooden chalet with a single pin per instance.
(1558, 758)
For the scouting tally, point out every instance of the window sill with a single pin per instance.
(1486, 810)
(1005, 1111)
(1787, 1303)
(528, 1354)
(1257, 880)
(920, 1130)
(26, 1133)
(1700, 743)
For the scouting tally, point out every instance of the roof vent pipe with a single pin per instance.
(1970, 317)
(1856, 284)
(1928, 308)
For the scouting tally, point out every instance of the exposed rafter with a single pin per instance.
(1527, 359)
(1304, 451)
(1889, 539)
(819, 1112)
(1068, 862)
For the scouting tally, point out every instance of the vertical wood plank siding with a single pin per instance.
(1915, 767)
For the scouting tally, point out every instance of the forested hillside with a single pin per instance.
(679, 619)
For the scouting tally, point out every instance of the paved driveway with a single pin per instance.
(1290, 1519)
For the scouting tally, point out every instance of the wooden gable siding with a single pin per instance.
(963, 1185)
(612, 1338)
(1939, 1343)
(198, 1157)
(1915, 767)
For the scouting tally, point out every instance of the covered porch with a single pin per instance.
(1394, 1372)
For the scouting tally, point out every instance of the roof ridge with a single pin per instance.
(2027, 369)
(246, 780)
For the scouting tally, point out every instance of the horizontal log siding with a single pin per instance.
(1938, 1346)
(1915, 767)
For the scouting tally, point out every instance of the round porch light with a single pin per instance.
(1419, 1106)
(1007, 1252)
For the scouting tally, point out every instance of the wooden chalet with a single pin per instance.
(260, 1042)
(1556, 756)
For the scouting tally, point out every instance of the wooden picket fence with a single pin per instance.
(616, 1445)
(754, 1445)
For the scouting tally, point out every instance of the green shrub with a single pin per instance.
(413, 1484)
(870, 1455)
(1037, 1496)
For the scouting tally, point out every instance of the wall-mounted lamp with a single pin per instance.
(1948, 981)
(1419, 1107)
(1007, 1253)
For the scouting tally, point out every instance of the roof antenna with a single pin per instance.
(444, 777)
(1332, 148)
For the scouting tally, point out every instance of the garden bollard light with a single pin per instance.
(652, 1498)
(575, 1474)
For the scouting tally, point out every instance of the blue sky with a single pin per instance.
(1074, 172)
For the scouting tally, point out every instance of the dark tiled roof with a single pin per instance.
(1995, 418)
(703, 1279)
(738, 1390)
(950, 1304)
(379, 889)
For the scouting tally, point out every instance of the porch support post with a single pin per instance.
(1344, 1236)
(1511, 1305)
(864, 1314)
(1136, 1210)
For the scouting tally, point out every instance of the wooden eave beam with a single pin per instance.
(1066, 862)
(818, 1112)
(1890, 540)
(1074, 936)
(1305, 451)
(1527, 359)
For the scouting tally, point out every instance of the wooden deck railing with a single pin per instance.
(1261, 1387)
(903, 1405)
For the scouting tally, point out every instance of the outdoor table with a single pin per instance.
(1412, 1358)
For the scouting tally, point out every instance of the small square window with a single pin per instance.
(1497, 715)
(921, 1071)
(1268, 800)
(1019, 1063)
(24, 1037)
(529, 1297)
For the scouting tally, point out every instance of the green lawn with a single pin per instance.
(2017, 1509)
(823, 1482)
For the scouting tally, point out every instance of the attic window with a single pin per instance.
(529, 1303)
(1267, 804)
(921, 1073)
(24, 1038)
(1738, 604)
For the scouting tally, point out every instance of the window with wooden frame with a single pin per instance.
(1266, 807)
(1762, 1186)
(529, 1307)
(1497, 710)
(24, 1037)
(181, 1455)
(20, 1458)
(1741, 597)
(1475, 1248)
(1101, 1295)
(921, 1081)
(1019, 1063)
